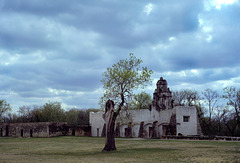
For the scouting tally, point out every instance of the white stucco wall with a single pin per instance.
(186, 128)
(96, 123)
(148, 117)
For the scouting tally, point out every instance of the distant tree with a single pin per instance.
(4, 108)
(26, 114)
(232, 95)
(230, 121)
(52, 112)
(202, 119)
(191, 97)
(37, 113)
(119, 82)
(178, 97)
(141, 101)
(72, 117)
(75, 117)
(219, 115)
(12, 117)
(186, 97)
(83, 117)
(210, 98)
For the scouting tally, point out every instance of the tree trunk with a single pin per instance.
(109, 117)
(141, 130)
(110, 138)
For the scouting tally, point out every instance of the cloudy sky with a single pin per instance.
(58, 50)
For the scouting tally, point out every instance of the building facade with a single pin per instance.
(162, 118)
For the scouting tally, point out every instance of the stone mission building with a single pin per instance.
(161, 119)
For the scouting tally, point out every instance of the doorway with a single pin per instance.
(21, 132)
(7, 130)
(150, 132)
(73, 132)
(125, 132)
(31, 133)
(97, 132)
(164, 130)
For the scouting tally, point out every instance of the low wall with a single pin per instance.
(43, 129)
(226, 138)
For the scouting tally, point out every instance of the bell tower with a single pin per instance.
(162, 96)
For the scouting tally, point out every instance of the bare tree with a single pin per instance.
(230, 121)
(232, 94)
(219, 115)
(210, 98)
(191, 97)
(178, 97)
(185, 97)
(26, 113)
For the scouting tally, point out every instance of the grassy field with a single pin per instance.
(88, 149)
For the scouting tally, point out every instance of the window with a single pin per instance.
(186, 118)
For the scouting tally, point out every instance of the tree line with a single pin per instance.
(49, 112)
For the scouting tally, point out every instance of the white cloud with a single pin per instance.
(209, 38)
(148, 9)
(217, 4)
(172, 38)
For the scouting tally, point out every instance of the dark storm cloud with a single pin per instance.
(37, 7)
(122, 24)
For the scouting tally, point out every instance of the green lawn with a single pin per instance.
(88, 149)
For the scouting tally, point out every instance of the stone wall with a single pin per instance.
(97, 123)
(25, 129)
(42, 129)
